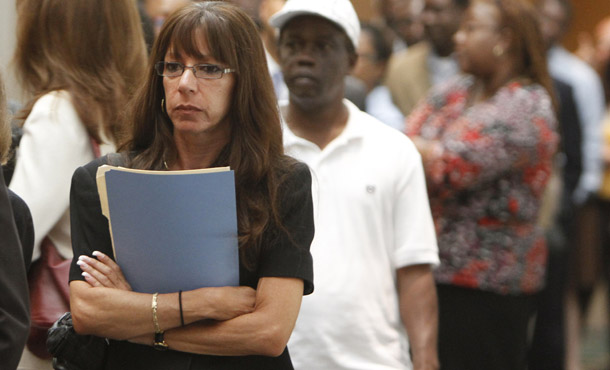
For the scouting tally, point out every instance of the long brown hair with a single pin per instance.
(255, 149)
(93, 49)
(527, 43)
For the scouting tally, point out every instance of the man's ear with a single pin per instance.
(278, 41)
(353, 58)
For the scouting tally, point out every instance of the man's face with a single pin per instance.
(441, 20)
(315, 59)
(552, 18)
(402, 17)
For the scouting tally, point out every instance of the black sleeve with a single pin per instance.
(570, 137)
(287, 253)
(25, 227)
(89, 226)
(14, 299)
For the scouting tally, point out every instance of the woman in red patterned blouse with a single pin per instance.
(487, 139)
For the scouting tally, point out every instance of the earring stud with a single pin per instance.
(498, 51)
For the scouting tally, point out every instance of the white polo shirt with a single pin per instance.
(372, 217)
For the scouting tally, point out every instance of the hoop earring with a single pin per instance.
(163, 105)
(497, 51)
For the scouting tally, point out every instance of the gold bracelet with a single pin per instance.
(159, 342)
(154, 313)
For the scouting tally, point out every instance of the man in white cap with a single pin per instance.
(375, 243)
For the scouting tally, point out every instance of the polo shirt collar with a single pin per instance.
(354, 129)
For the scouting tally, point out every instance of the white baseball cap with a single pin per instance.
(340, 12)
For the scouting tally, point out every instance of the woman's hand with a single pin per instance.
(225, 302)
(102, 271)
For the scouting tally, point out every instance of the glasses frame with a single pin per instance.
(160, 67)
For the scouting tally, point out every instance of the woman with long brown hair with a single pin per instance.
(207, 101)
(79, 62)
(487, 140)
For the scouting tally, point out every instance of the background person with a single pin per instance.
(374, 246)
(555, 17)
(487, 140)
(21, 212)
(404, 18)
(603, 251)
(17, 230)
(207, 101)
(15, 303)
(599, 267)
(266, 9)
(412, 72)
(159, 10)
(374, 51)
(547, 349)
(595, 51)
(79, 83)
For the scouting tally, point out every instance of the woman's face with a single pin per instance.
(198, 106)
(476, 38)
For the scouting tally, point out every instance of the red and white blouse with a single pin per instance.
(485, 181)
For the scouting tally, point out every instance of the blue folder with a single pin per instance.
(172, 230)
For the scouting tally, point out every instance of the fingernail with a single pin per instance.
(85, 274)
(97, 254)
(80, 262)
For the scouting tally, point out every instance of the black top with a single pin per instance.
(284, 254)
(25, 226)
(14, 301)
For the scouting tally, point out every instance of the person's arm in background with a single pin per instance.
(14, 300)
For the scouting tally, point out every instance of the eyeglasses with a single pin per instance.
(206, 71)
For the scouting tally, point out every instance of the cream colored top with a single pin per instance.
(54, 143)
